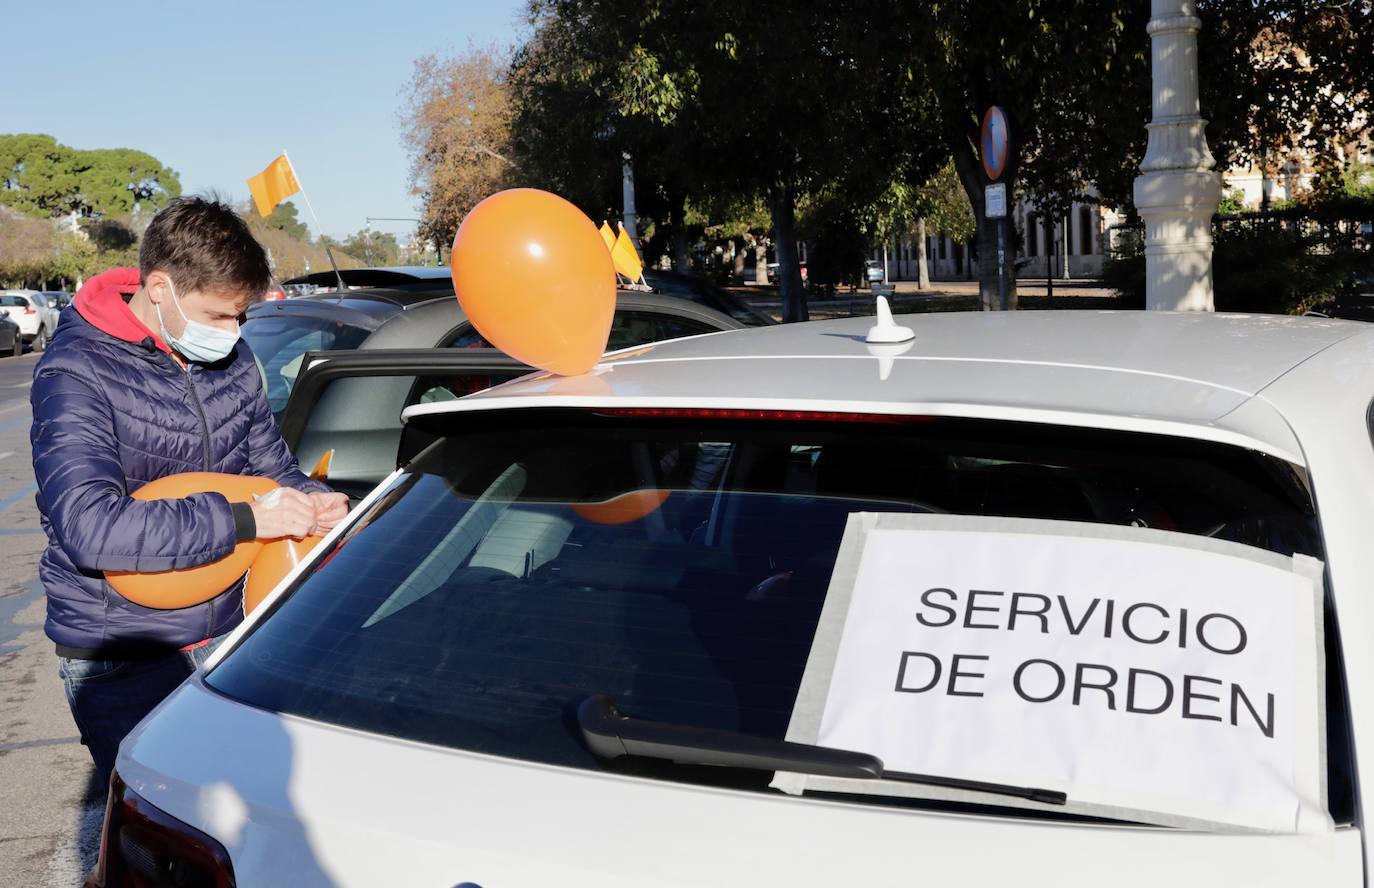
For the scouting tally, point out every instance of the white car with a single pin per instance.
(30, 310)
(621, 629)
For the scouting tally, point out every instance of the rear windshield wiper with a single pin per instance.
(611, 734)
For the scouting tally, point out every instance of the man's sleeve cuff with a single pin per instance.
(245, 526)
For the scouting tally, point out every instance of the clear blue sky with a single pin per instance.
(216, 90)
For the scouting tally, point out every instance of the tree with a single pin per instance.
(285, 218)
(42, 177)
(576, 123)
(373, 248)
(457, 125)
(779, 113)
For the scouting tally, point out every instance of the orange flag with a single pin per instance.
(625, 257)
(273, 185)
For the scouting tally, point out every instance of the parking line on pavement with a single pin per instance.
(30, 744)
(14, 407)
(16, 497)
(7, 453)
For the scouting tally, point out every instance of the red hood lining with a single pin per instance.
(103, 302)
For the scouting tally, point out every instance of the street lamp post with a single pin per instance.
(1177, 192)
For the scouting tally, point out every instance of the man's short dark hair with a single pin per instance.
(203, 244)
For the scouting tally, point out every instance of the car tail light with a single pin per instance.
(766, 415)
(143, 847)
(30, 310)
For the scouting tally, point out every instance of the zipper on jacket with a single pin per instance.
(200, 412)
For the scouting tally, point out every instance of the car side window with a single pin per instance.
(468, 337)
(631, 328)
(628, 329)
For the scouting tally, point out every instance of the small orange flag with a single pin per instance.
(273, 185)
(625, 257)
(607, 235)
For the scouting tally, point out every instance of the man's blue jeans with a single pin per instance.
(109, 697)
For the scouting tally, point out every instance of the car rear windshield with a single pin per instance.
(281, 342)
(506, 577)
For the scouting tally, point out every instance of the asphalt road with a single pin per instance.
(49, 821)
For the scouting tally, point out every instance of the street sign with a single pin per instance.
(995, 201)
(996, 142)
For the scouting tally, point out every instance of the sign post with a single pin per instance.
(996, 144)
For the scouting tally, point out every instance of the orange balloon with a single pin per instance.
(170, 589)
(534, 276)
(277, 559)
(624, 508)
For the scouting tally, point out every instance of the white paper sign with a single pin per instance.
(995, 200)
(1149, 675)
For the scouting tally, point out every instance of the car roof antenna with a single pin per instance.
(338, 277)
(887, 330)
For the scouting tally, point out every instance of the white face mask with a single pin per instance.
(198, 342)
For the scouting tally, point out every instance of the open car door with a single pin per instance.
(351, 402)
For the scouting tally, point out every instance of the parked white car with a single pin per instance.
(31, 311)
(597, 630)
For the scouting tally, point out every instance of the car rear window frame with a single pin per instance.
(1339, 752)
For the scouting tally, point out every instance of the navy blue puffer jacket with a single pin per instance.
(111, 412)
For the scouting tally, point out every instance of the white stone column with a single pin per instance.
(1177, 193)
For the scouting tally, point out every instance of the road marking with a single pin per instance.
(21, 404)
(21, 385)
(6, 454)
(30, 744)
(16, 497)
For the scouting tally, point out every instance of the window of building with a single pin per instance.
(1032, 224)
(1085, 231)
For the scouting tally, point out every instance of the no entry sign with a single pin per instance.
(996, 142)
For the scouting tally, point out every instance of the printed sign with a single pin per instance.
(1151, 676)
(995, 201)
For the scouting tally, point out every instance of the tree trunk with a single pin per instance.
(738, 244)
(922, 269)
(971, 177)
(885, 280)
(1051, 258)
(760, 262)
(682, 254)
(682, 250)
(782, 202)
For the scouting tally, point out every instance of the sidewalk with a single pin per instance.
(941, 296)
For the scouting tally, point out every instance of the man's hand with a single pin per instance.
(330, 509)
(284, 513)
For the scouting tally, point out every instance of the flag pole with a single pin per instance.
(316, 219)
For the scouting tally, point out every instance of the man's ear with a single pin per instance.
(158, 286)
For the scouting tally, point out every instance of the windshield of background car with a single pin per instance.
(500, 582)
(280, 342)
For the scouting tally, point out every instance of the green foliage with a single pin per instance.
(1232, 202)
(33, 253)
(285, 218)
(1283, 262)
(371, 248)
(41, 177)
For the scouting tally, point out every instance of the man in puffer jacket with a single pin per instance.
(147, 377)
